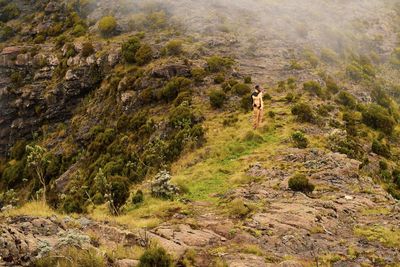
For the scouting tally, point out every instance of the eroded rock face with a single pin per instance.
(29, 96)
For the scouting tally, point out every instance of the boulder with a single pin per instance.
(172, 70)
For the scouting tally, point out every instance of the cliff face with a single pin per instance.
(30, 95)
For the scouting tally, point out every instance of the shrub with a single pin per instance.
(241, 89)
(378, 118)
(290, 97)
(219, 79)
(6, 32)
(87, 49)
(156, 20)
(311, 57)
(304, 112)
(144, 55)
(181, 116)
(161, 186)
(198, 74)
(217, 98)
(247, 79)
(313, 87)
(13, 174)
(79, 30)
(344, 144)
(246, 103)
(16, 78)
(107, 25)
(217, 63)
(346, 99)
(119, 190)
(358, 71)
(155, 257)
(174, 87)
(130, 48)
(138, 197)
(300, 183)
(238, 209)
(55, 29)
(174, 47)
(331, 86)
(185, 96)
(299, 140)
(328, 55)
(381, 149)
(39, 39)
(395, 192)
(9, 12)
(396, 177)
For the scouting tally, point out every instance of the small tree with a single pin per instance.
(38, 161)
(107, 25)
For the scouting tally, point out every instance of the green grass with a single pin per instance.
(228, 153)
(389, 237)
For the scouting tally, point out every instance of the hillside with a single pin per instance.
(126, 133)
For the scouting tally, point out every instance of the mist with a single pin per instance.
(358, 25)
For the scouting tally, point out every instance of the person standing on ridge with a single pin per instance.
(258, 106)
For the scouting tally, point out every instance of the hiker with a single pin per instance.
(258, 106)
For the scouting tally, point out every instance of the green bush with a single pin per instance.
(246, 103)
(299, 139)
(9, 12)
(241, 89)
(331, 86)
(328, 55)
(314, 88)
(144, 55)
(155, 257)
(119, 190)
(6, 32)
(185, 96)
(181, 116)
(300, 183)
(395, 192)
(107, 25)
(396, 177)
(14, 173)
(198, 74)
(217, 98)
(39, 39)
(217, 63)
(18, 150)
(78, 30)
(238, 209)
(304, 112)
(378, 118)
(130, 48)
(172, 89)
(87, 49)
(55, 29)
(219, 79)
(358, 71)
(395, 57)
(138, 197)
(247, 79)
(174, 47)
(156, 20)
(290, 97)
(346, 99)
(16, 78)
(381, 149)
